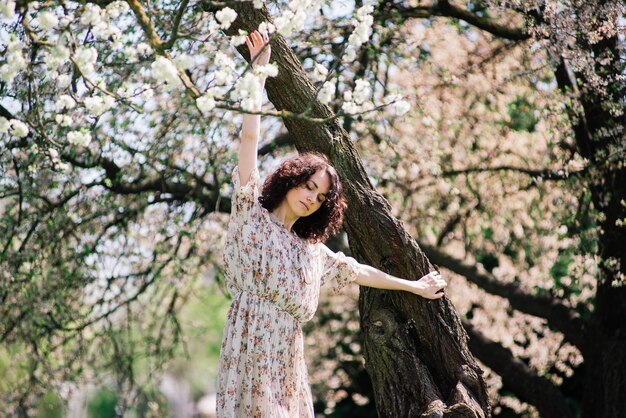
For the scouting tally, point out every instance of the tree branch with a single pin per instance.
(545, 174)
(559, 316)
(446, 9)
(517, 376)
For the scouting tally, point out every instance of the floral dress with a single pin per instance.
(274, 278)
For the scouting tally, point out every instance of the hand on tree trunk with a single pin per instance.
(431, 286)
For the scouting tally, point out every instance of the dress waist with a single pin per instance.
(252, 295)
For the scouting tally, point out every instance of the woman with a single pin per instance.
(275, 263)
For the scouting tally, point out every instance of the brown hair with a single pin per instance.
(296, 171)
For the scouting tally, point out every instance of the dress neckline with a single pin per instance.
(279, 225)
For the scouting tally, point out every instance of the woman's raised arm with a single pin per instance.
(250, 131)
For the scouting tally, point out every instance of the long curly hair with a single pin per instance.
(296, 171)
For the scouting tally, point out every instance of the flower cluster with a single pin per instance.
(99, 20)
(79, 138)
(15, 62)
(97, 105)
(7, 9)
(226, 17)
(86, 58)
(14, 127)
(362, 25)
(294, 18)
(327, 92)
(47, 20)
(165, 71)
(248, 90)
(56, 57)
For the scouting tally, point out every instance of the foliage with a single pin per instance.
(116, 127)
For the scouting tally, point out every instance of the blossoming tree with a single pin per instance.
(116, 121)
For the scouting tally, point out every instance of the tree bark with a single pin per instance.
(415, 350)
(599, 135)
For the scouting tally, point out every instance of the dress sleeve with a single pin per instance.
(338, 269)
(246, 196)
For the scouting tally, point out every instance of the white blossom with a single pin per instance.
(361, 33)
(4, 125)
(109, 31)
(64, 21)
(401, 107)
(350, 54)
(223, 61)
(47, 20)
(350, 107)
(15, 62)
(131, 54)
(285, 23)
(63, 120)
(248, 90)
(237, 40)
(226, 17)
(19, 128)
(223, 77)
(115, 9)
(96, 105)
(184, 61)
(144, 49)
(362, 91)
(7, 8)
(205, 103)
(63, 81)
(64, 102)
(79, 138)
(147, 93)
(86, 58)
(92, 15)
(327, 92)
(266, 28)
(165, 71)
(319, 73)
(56, 56)
(268, 70)
(257, 3)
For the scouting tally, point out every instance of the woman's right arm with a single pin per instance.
(250, 130)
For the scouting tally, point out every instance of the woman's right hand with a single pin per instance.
(259, 53)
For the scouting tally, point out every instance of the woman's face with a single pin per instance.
(308, 197)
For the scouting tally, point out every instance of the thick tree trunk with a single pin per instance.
(599, 134)
(416, 350)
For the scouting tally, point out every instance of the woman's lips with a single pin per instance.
(304, 204)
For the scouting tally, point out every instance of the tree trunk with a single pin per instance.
(599, 135)
(415, 350)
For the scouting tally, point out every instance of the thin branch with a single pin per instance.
(176, 25)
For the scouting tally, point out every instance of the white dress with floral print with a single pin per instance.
(274, 278)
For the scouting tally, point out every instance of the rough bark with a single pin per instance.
(599, 134)
(415, 350)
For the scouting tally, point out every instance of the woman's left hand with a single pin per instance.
(259, 52)
(430, 286)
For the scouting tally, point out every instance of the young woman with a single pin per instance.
(275, 263)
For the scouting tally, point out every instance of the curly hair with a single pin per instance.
(296, 171)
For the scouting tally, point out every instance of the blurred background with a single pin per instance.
(467, 116)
